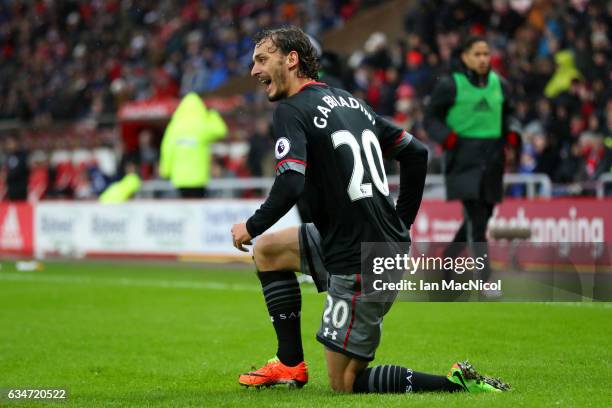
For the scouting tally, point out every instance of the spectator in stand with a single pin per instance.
(260, 146)
(38, 183)
(62, 169)
(123, 189)
(147, 156)
(17, 171)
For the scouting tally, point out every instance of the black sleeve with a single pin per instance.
(442, 99)
(392, 138)
(290, 152)
(285, 192)
(289, 132)
(413, 169)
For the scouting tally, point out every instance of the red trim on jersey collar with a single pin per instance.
(310, 83)
(290, 160)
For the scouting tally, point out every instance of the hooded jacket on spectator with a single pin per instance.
(185, 149)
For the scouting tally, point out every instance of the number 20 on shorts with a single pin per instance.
(336, 313)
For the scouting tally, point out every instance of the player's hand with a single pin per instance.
(241, 237)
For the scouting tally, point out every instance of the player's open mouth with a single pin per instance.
(266, 82)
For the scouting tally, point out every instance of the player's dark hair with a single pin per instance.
(289, 39)
(470, 41)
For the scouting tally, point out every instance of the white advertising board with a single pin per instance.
(143, 227)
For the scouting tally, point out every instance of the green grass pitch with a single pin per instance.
(127, 334)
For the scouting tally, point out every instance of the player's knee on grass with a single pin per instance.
(343, 380)
(337, 385)
(343, 383)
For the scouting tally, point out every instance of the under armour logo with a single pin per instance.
(332, 334)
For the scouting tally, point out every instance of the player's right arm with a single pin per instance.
(412, 155)
(290, 153)
(413, 169)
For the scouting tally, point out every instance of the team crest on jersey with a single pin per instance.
(282, 147)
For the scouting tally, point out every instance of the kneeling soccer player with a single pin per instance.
(340, 140)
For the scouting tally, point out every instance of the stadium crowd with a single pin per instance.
(80, 60)
(71, 59)
(556, 56)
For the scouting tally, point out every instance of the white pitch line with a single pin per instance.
(592, 305)
(74, 280)
(129, 282)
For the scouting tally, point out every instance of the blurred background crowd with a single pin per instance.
(73, 64)
(73, 59)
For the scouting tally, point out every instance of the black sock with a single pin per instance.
(284, 301)
(396, 379)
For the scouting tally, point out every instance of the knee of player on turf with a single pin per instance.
(342, 382)
(342, 371)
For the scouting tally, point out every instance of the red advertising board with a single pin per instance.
(553, 223)
(550, 221)
(16, 229)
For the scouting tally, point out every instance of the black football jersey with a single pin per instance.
(338, 143)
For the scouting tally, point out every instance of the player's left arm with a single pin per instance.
(412, 156)
(290, 152)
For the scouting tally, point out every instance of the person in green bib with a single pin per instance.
(469, 114)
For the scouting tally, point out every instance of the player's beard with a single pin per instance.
(279, 79)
